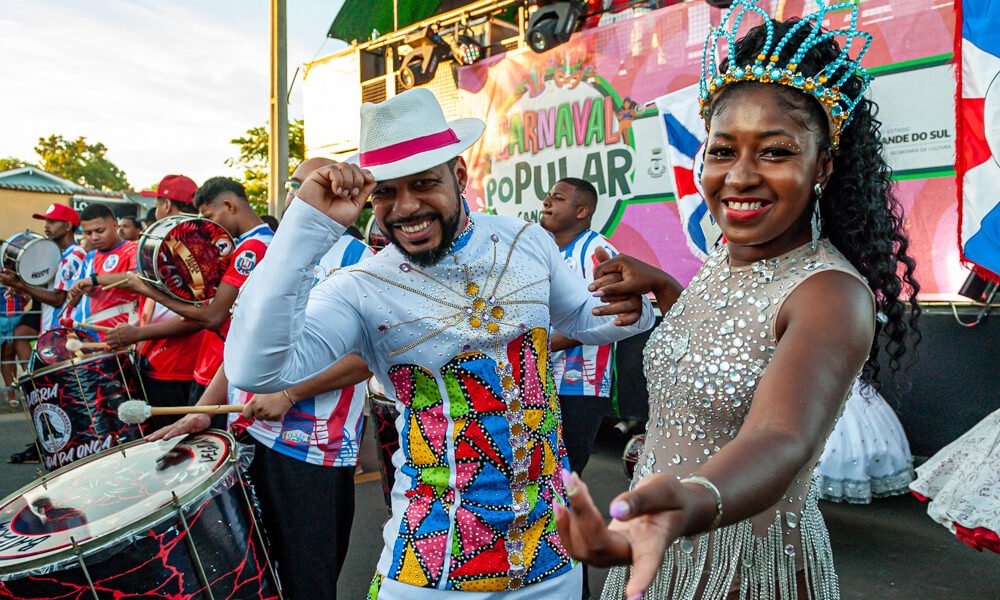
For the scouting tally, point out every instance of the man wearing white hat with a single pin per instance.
(453, 319)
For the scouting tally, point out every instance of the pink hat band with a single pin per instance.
(407, 148)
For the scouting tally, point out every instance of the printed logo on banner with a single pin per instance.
(110, 262)
(53, 427)
(566, 122)
(245, 262)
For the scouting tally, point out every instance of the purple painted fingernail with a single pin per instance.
(619, 510)
(635, 597)
(598, 294)
(567, 479)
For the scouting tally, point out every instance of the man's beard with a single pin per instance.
(429, 257)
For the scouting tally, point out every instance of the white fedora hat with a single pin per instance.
(408, 134)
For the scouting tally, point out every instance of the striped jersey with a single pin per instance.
(70, 269)
(584, 370)
(324, 430)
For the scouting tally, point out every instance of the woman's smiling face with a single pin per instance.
(762, 158)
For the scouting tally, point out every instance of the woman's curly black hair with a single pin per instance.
(860, 213)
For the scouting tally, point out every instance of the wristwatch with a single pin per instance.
(93, 278)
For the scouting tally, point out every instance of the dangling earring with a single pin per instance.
(817, 218)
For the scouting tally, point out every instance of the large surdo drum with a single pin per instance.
(73, 405)
(146, 520)
(185, 256)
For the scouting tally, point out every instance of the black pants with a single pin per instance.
(307, 511)
(161, 392)
(581, 417)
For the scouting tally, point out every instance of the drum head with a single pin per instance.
(185, 257)
(51, 347)
(104, 498)
(33, 257)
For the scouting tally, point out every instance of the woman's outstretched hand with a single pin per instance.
(622, 277)
(646, 521)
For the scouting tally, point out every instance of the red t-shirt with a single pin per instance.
(119, 259)
(250, 249)
(170, 359)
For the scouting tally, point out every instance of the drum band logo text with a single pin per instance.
(43, 394)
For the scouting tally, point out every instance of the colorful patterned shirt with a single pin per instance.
(462, 345)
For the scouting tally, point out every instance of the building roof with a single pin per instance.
(33, 179)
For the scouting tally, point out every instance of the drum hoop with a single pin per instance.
(60, 557)
(33, 239)
(86, 358)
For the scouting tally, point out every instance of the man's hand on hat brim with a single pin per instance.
(339, 191)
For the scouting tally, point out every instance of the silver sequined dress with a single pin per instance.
(703, 364)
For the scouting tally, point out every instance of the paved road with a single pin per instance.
(888, 550)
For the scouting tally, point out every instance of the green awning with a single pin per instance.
(357, 18)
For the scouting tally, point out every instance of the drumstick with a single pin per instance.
(101, 328)
(118, 283)
(137, 411)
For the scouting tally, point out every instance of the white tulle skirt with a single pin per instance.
(867, 455)
(962, 482)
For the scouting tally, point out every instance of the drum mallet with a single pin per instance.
(137, 411)
(73, 344)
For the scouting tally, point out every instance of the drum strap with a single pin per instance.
(194, 269)
(114, 311)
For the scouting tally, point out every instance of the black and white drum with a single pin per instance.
(185, 256)
(145, 520)
(73, 405)
(34, 258)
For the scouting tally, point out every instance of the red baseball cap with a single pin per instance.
(60, 212)
(174, 187)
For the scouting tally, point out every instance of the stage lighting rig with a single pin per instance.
(418, 67)
(553, 24)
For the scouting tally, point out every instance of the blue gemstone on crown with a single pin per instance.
(836, 111)
(775, 74)
(819, 91)
(719, 81)
(739, 73)
(758, 71)
(799, 81)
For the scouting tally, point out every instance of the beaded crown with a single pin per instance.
(824, 85)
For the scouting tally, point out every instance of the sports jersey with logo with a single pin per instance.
(114, 306)
(250, 249)
(69, 270)
(169, 359)
(325, 429)
(584, 370)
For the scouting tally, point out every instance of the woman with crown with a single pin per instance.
(750, 368)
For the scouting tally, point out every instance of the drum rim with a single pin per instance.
(157, 242)
(34, 239)
(47, 369)
(89, 546)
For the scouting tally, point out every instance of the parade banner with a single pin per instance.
(979, 132)
(587, 109)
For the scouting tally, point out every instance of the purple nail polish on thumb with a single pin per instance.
(619, 510)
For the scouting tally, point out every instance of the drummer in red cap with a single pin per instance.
(168, 344)
(61, 222)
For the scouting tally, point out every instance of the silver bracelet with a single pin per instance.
(699, 480)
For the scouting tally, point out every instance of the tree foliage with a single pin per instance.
(10, 163)
(80, 162)
(253, 160)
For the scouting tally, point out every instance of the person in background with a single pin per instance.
(110, 255)
(583, 374)
(61, 222)
(168, 345)
(129, 228)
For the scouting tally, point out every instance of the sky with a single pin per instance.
(164, 84)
